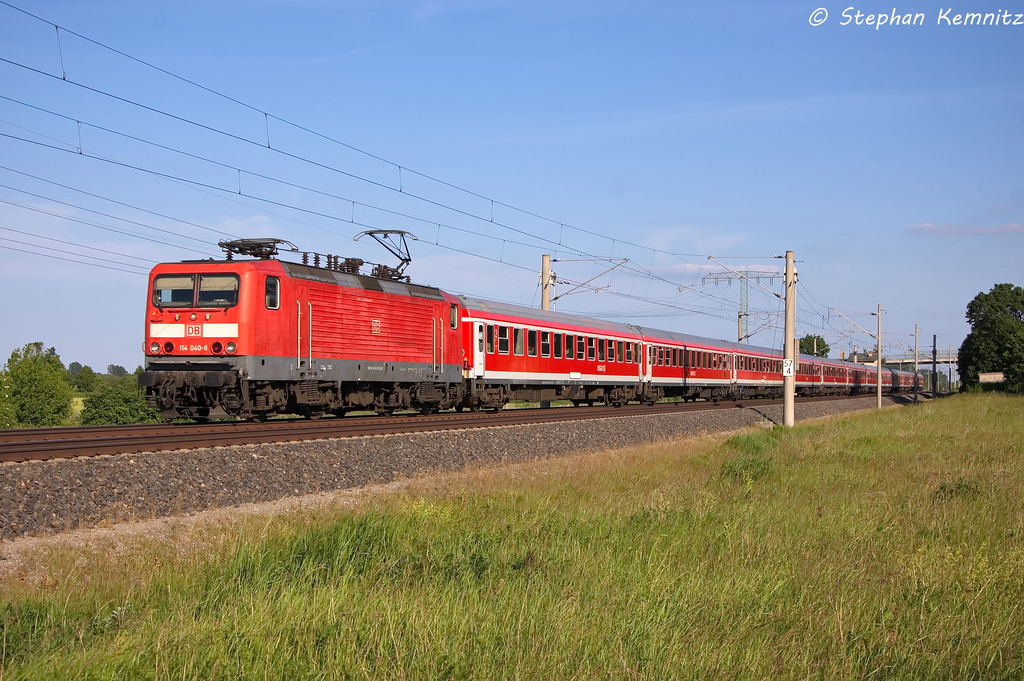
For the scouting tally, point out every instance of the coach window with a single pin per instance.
(618, 352)
(629, 353)
(581, 347)
(273, 291)
(517, 341)
(503, 340)
(611, 350)
(591, 349)
(490, 339)
(570, 344)
(531, 343)
(545, 343)
(453, 316)
(218, 290)
(600, 349)
(558, 346)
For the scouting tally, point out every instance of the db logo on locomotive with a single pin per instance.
(193, 330)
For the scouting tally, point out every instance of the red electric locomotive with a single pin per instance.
(259, 337)
(263, 336)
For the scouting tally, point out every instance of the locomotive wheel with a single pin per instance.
(258, 417)
(475, 408)
(459, 408)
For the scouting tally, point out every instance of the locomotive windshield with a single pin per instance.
(180, 290)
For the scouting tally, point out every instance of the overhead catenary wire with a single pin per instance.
(227, 190)
(80, 262)
(267, 115)
(637, 270)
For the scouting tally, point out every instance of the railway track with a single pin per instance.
(41, 444)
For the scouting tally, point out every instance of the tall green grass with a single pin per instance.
(884, 545)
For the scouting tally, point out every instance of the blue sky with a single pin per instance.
(889, 159)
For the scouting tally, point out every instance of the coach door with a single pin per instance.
(478, 350)
(648, 362)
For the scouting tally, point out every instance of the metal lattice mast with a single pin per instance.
(744, 277)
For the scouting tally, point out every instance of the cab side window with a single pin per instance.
(273, 293)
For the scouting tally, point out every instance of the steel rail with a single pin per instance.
(41, 444)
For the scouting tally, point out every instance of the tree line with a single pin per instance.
(37, 390)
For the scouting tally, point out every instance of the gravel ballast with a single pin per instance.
(52, 496)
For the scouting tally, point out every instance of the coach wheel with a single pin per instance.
(258, 417)
(590, 403)
(385, 412)
(313, 415)
(617, 405)
(459, 408)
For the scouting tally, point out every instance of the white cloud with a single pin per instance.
(967, 230)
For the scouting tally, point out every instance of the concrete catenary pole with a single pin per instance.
(545, 282)
(916, 387)
(789, 350)
(878, 361)
(935, 364)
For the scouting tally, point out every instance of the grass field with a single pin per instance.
(880, 545)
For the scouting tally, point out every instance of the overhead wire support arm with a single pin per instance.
(743, 275)
(619, 262)
(852, 322)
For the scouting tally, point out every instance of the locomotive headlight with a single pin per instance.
(232, 347)
(154, 348)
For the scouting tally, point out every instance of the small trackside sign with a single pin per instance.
(787, 368)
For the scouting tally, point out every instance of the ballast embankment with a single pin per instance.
(54, 496)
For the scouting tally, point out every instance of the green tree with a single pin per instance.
(118, 403)
(74, 368)
(7, 416)
(807, 346)
(40, 393)
(116, 370)
(996, 340)
(86, 380)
